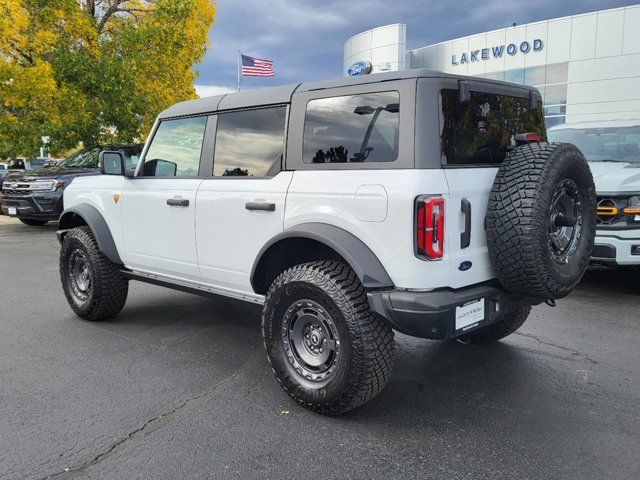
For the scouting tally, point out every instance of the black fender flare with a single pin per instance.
(98, 225)
(356, 253)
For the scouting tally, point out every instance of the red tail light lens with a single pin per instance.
(527, 137)
(430, 227)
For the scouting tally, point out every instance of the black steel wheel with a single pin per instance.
(310, 339)
(94, 287)
(329, 352)
(79, 275)
(566, 215)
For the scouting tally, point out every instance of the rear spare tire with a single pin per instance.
(541, 220)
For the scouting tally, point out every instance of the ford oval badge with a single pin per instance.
(359, 68)
(464, 266)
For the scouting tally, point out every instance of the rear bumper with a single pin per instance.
(433, 314)
(617, 247)
(41, 206)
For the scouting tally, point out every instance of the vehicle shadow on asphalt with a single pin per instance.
(621, 280)
(448, 381)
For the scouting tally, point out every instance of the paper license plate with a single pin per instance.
(12, 211)
(469, 313)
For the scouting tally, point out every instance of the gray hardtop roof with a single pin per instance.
(282, 94)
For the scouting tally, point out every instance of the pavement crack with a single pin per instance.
(561, 347)
(153, 423)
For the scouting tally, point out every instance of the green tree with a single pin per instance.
(94, 70)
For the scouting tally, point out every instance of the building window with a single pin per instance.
(249, 142)
(352, 128)
(495, 76)
(534, 75)
(514, 76)
(553, 120)
(175, 148)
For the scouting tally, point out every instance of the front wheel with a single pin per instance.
(329, 352)
(94, 286)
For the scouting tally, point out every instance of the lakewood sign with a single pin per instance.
(498, 51)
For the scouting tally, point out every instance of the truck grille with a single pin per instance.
(609, 210)
(16, 193)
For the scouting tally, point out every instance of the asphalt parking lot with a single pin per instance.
(178, 386)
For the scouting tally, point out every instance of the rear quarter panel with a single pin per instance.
(339, 198)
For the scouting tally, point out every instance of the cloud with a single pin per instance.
(211, 90)
(305, 39)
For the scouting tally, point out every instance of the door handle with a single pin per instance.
(178, 202)
(267, 207)
(465, 236)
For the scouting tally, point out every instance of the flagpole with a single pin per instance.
(239, 68)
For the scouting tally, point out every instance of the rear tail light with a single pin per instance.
(430, 227)
(527, 137)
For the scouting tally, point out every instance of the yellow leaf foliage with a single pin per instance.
(81, 74)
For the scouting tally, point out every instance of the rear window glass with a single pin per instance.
(481, 131)
(352, 128)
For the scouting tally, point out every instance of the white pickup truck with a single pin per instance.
(612, 149)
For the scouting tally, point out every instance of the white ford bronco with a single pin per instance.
(413, 201)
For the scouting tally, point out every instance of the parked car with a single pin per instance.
(35, 196)
(417, 201)
(612, 149)
(4, 171)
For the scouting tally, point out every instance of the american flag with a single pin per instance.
(256, 67)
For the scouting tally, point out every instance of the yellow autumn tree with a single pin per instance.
(94, 71)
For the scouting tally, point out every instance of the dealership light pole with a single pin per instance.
(239, 68)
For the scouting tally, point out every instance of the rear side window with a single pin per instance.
(481, 131)
(249, 142)
(352, 129)
(175, 148)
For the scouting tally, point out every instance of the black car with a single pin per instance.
(35, 196)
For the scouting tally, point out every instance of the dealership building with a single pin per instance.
(587, 67)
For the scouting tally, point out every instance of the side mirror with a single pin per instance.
(111, 163)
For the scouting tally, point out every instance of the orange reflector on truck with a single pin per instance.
(609, 211)
(632, 210)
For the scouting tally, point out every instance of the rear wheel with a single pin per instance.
(33, 223)
(504, 327)
(329, 352)
(94, 286)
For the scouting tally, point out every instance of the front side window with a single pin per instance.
(249, 143)
(352, 129)
(482, 130)
(175, 148)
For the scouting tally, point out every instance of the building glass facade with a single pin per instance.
(587, 67)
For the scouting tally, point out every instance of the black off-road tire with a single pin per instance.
(365, 350)
(107, 288)
(504, 327)
(522, 219)
(33, 223)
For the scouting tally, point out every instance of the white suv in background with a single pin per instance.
(612, 149)
(416, 201)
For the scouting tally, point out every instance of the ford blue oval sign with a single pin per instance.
(359, 68)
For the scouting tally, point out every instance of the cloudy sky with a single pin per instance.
(304, 38)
